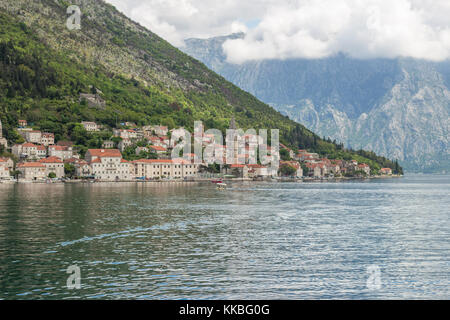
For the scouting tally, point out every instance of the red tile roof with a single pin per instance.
(28, 145)
(48, 134)
(30, 165)
(75, 160)
(158, 148)
(105, 152)
(256, 166)
(51, 160)
(65, 143)
(153, 161)
(58, 148)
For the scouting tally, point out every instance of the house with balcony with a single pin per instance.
(47, 139)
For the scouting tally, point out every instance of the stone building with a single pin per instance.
(164, 168)
(108, 165)
(32, 171)
(55, 165)
(62, 152)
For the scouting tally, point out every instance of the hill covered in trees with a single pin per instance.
(44, 67)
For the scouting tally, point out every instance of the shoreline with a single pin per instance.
(201, 180)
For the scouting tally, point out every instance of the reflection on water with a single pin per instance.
(191, 241)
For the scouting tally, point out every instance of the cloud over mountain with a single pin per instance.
(303, 28)
(361, 29)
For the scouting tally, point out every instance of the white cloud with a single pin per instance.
(176, 20)
(303, 28)
(362, 29)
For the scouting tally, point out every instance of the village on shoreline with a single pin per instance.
(41, 159)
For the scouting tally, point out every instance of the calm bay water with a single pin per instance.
(252, 241)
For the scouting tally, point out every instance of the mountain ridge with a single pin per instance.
(396, 107)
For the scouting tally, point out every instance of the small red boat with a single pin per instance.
(216, 181)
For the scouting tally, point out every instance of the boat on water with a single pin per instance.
(217, 181)
(221, 186)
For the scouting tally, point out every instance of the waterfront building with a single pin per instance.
(364, 167)
(53, 164)
(8, 162)
(164, 168)
(107, 164)
(32, 170)
(237, 170)
(82, 167)
(4, 169)
(315, 170)
(294, 164)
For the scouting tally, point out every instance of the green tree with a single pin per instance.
(69, 170)
(287, 171)
(284, 155)
(16, 174)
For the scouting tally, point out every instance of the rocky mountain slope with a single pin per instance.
(397, 107)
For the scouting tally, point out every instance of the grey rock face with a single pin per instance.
(398, 108)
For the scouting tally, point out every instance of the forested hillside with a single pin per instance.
(142, 78)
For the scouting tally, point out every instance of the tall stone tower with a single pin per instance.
(3, 141)
(232, 124)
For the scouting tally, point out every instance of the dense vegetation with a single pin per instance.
(42, 84)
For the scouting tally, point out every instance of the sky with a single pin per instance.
(311, 29)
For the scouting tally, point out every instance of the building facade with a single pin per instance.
(55, 165)
(108, 165)
(61, 152)
(164, 168)
(32, 170)
(90, 126)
